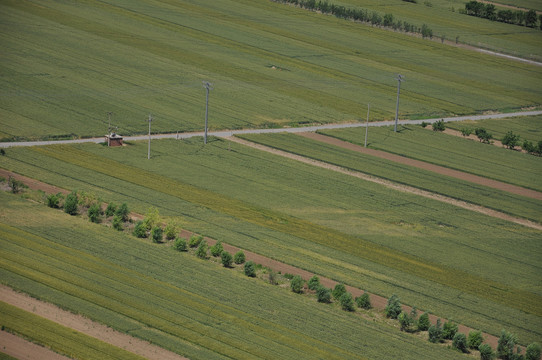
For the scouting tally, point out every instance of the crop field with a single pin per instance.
(193, 307)
(458, 189)
(451, 151)
(528, 128)
(382, 241)
(445, 19)
(65, 66)
(59, 338)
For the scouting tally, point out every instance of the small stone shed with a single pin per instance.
(113, 139)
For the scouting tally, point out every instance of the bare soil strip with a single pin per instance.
(85, 326)
(392, 185)
(518, 190)
(20, 348)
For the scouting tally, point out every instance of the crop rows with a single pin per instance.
(451, 151)
(178, 297)
(59, 338)
(271, 66)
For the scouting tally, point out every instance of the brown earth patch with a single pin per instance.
(20, 348)
(85, 326)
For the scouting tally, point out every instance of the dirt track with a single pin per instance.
(20, 348)
(395, 186)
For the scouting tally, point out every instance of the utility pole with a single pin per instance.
(208, 86)
(109, 113)
(399, 79)
(149, 152)
(367, 124)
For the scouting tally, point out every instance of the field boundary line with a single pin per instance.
(392, 185)
(86, 326)
(461, 175)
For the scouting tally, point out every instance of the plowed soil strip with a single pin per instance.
(20, 348)
(389, 184)
(518, 190)
(85, 326)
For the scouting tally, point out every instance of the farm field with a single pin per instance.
(383, 241)
(59, 338)
(451, 151)
(528, 128)
(271, 65)
(193, 307)
(445, 19)
(424, 179)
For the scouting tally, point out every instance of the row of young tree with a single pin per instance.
(372, 17)
(77, 203)
(507, 348)
(510, 140)
(490, 12)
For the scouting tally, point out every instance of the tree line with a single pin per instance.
(372, 17)
(490, 12)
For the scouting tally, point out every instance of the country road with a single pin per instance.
(228, 133)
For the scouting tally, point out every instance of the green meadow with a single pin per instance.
(193, 307)
(65, 66)
(334, 225)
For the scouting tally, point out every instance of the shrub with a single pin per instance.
(273, 277)
(533, 352)
(475, 339)
(171, 231)
(110, 210)
(53, 201)
(117, 223)
(466, 131)
(323, 294)
(94, 213)
(140, 230)
(123, 212)
(195, 240)
(347, 302)
(505, 347)
(15, 185)
(449, 330)
(152, 218)
(157, 234)
(289, 276)
(424, 124)
(510, 140)
(180, 244)
(217, 249)
(393, 308)
(439, 126)
(201, 251)
(423, 322)
(528, 146)
(435, 332)
(227, 259)
(338, 291)
(250, 269)
(70, 205)
(314, 282)
(239, 257)
(363, 301)
(405, 321)
(296, 284)
(486, 352)
(483, 135)
(459, 342)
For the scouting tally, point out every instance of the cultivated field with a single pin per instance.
(382, 241)
(189, 306)
(271, 65)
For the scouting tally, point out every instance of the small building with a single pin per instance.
(113, 139)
